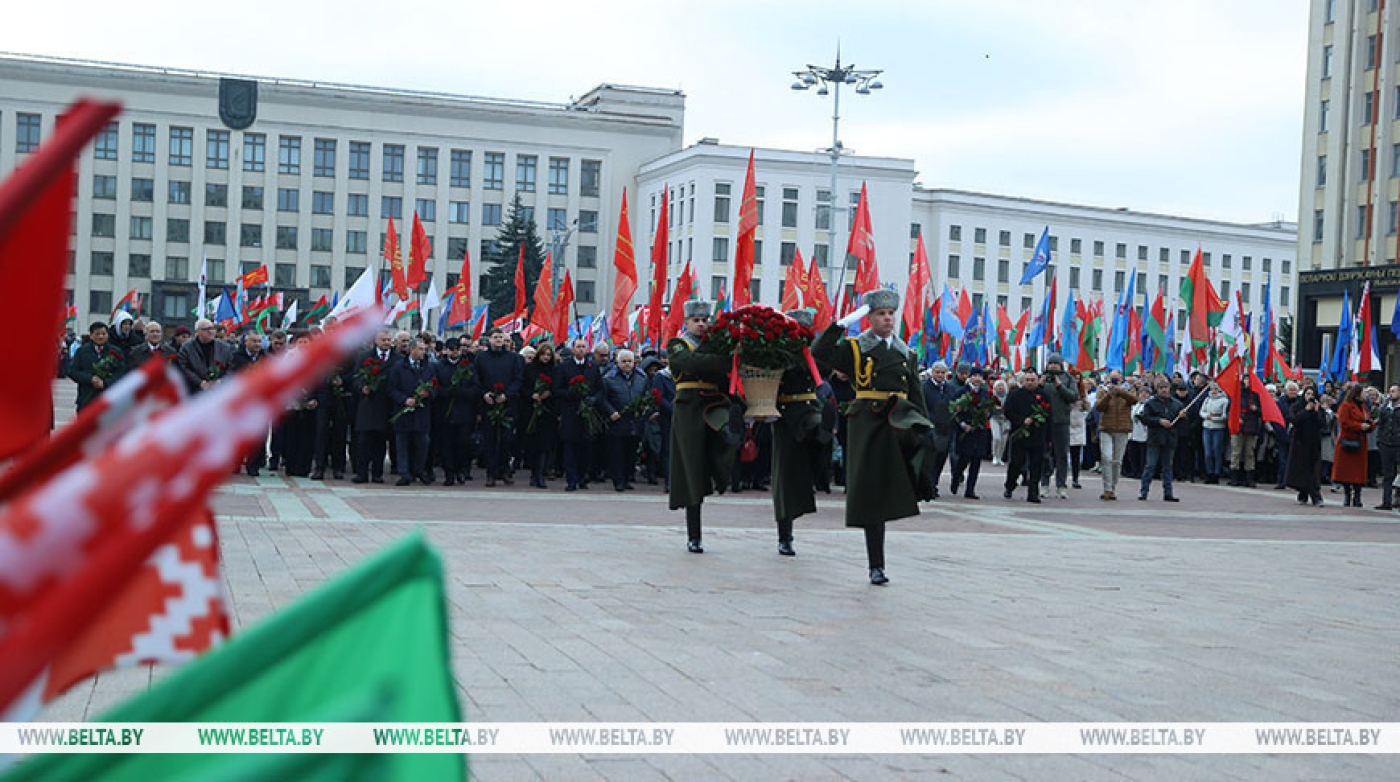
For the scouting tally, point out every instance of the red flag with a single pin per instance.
(563, 304)
(519, 313)
(743, 251)
(394, 255)
(71, 546)
(419, 249)
(861, 245)
(964, 307)
(543, 315)
(1232, 379)
(36, 204)
(462, 301)
(129, 301)
(919, 278)
(793, 281)
(816, 289)
(803, 278)
(659, 267)
(257, 276)
(624, 277)
(1204, 307)
(1365, 350)
(675, 319)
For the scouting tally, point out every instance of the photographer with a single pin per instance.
(1062, 391)
(1114, 405)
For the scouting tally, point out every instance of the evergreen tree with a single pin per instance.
(501, 257)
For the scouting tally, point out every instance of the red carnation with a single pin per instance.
(499, 387)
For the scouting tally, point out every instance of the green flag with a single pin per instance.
(369, 646)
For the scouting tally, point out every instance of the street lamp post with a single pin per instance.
(864, 81)
(559, 239)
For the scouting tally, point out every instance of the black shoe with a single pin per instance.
(338, 475)
(360, 479)
(694, 547)
(628, 486)
(1036, 500)
(427, 479)
(877, 576)
(404, 481)
(377, 479)
(490, 483)
(786, 550)
(571, 487)
(319, 475)
(1076, 485)
(619, 487)
(509, 480)
(1142, 497)
(953, 489)
(971, 496)
(1006, 494)
(466, 477)
(252, 471)
(449, 482)
(1170, 499)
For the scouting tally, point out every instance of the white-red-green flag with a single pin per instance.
(1204, 307)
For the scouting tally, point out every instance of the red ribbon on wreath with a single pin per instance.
(812, 365)
(736, 383)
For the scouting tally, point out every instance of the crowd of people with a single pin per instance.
(452, 408)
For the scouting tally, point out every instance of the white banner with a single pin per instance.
(718, 738)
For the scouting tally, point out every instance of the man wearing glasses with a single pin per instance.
(204, 360)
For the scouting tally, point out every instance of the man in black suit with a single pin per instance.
(574, 431)
(410, 397)
(204, 359)
(96, 365)
(370, 384)
(152, 345)
(939, 392)
(499, 373)
(454, 412)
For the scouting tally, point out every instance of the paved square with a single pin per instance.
(1235, 604)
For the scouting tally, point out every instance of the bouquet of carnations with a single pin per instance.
(1039, 415)
(542, 384)
(761, 336)
(107, 366)
(420, 394)
(974, 409)
(499, 414)
(580, 390)
(460, 376)
(371, 374)
(643, 406)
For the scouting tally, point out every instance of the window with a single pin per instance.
(104, 186)
(320, 276)
(1003, 271)
(1330, 14)
(757, 254)
(1365, 173)
(215, 195)
(351, 275)
(1098, 280)
(1142, 252)
(286, 237)
(1098, 249)
(786, 251)
(1004, 238)
(1025, 303)
(1368, 105)
(1322, 116)
(821, 255)
(587, 221)
(102, 262)
(216, 270)
(138, 265)
(1120, 251)
(953, 263)
(525, 173)
(721, 250)
(456, 248)
(357, 205)
(215, 233)
(322, 203)
(427, 165)
(1283, 297)
(1118, 281)
(105, 147)
(391, 206)
(322, 240)
(587, 257)
(143, 190)
(254, 152)
(585, 291)
(495, 174)
(556, 219)
(323, 159)
(355, 242)
(26, 132)
(250, 235)
(459, 212)
(1027, 241)
(823, 210)
(1054, 243)
(1394, 213)
(1225, 289)
(1244, 291)
(1287, 267)
(393, 162)
(490, 214)
(590, 178)
(252, 197)
(1074, 277)
(177, 268)
(1248, 261)
(179, 192)
(558, 176)
(979, 236)
(289, 155)
(143, 143)
(359, 160)
(979, 268)
(955, 233)
(104, 225)
(288, 199)
(177, 230)
(284, 274)
(1394, 160)
(1268, 265)
(140, 227)
(100, 301)
(461, 171)
(1186, 257)
(1322, 170)
(1370, 52)
(426, 209)
(1360, 221)
(789, 216)
(1076, 246)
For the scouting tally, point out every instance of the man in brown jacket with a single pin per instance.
(1115, 407)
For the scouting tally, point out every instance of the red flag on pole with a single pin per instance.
(624, 278)
(659, 267)
(519, 313)
(419, 249)
(675, 319)
(793, 282)
(255, 277)
(394, 255)
(743, 251)
(919, 278)
(36, 204)
(562, 305)
(861, 245)
(818, 298)
(462, 300)
(543, 315)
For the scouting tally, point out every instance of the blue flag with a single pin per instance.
(1266, 330)
(1395, 319)
(948, 319)
(1042, 330)
(1118, 337)
(1069, 332)
(1339, 366)
(973, 337)
(226, 310)
(1040, 259)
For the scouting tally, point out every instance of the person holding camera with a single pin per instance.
(1062, 391)
(1388, 441)
(1114, 406)
(1304, 469)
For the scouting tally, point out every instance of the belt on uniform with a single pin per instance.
(808, 397)
(880, 395)
(696, 384)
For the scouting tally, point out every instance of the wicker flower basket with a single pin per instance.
(761, 392)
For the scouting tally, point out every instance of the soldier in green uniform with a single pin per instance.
(796, 446)
(887, 448)
(702, 452)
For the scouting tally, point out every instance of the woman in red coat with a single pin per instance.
(1349, 456)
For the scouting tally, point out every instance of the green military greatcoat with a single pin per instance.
(887, 450)
(796, 445)
(702, 454)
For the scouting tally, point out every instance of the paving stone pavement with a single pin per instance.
(1235, 604)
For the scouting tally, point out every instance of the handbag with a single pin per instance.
(1350, 445)
(748, 452)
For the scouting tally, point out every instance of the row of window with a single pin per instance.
(979, 274)
(723, 203)
(1120, 250)
(1392, 226)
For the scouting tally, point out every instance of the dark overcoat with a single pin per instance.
(702, 449)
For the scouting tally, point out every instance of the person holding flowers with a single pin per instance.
(372, 410)
(575, 385)
(702, 452)
(1027, 409)
(972, 414)
(96, 365)
(888, 441)
(455, 412)
(500, 375)
(412, 385)
(541, 414)
(797, 437)
(622, 399)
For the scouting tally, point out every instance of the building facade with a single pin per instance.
(1349, 202)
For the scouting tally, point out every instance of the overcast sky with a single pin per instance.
(1186, 107)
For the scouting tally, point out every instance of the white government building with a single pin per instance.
(308, 187)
